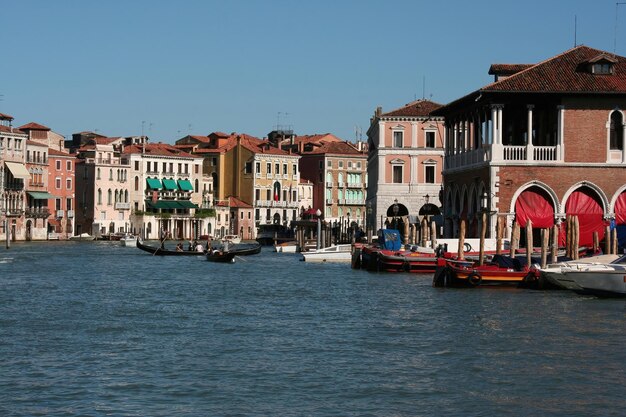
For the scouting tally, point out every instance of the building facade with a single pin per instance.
(404, 165)
(542, 142)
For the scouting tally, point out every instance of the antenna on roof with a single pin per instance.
(575, 43)
(617, 4)
(358, 133)
(423, 87)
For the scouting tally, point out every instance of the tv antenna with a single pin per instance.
(619, 3)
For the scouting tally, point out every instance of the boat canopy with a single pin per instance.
(391, 239)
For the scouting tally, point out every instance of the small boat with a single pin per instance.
(244, 249)
(406, 261)
(499, 270)
(128, 240)
(334, 253)
(220, 256)
(286, 247)
(83, 236)
(232, 238)
(590, 278)
(156, 250)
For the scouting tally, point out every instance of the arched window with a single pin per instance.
(196, 185)
(99, 194)
(109, 197)
(329, 178)
(111, 174)
(126, 196)
(340, 178)
(136, 183)
(117, 196)
(98, 174)
(616, 133)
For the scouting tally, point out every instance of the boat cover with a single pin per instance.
(391, 239)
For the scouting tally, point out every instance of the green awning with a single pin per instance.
(185, 185)
(187, 204)
(159, 204)
(154, 183)
(170, 184)
(40, 195)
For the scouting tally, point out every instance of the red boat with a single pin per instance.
(501, 270)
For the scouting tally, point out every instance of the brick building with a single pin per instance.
(541, 142)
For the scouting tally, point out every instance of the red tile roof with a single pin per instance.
(162, 149)
(316, 138)
(5, 117)
(10, 129)
(35, 143)
(233, 202)
(507, 69)
(417, 108)
(33, 126)
(54, 152)
(566, 73)
(341, 148)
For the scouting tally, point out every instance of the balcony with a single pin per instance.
(329, 184)
(354, 185)
(340, 184)
(60, 214)
(70, 214)
(329, 201)
(35, 212)
(507, 153)
(122, 206)
(270, 176)
(257, 175)
(355, 201)
(32, 160)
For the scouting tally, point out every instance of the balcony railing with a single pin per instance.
(32, 160)
(355, 185)
(35, 212)
(514, 153)
(60, 214)
(329, 183)
(329, 201)
(122, 206)
(70, 214)
(355, 201)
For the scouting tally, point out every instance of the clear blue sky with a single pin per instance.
(319, 66)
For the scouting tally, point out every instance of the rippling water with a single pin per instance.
(98, 329)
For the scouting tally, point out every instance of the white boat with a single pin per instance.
(594, 278)
(129, 240)
(334, 253)
(83, 236)
(286, 247)
(232, 238)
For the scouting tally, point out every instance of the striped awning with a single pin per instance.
(18, 170)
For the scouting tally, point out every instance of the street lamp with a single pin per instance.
(318, 213)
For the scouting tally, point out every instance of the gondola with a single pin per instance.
(155, 250)
(243, 249)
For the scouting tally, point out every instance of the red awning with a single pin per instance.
(53, 222)
(534, 205)
(620, 209)
(585, 205)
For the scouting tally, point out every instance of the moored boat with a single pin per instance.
(128, 240)
(286, 247)
(220, 256)
(500, 270)
(334, 253)
(83, 236)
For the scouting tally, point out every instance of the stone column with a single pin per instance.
(529, 144)
(414, 134)
(381, 134)
(560, 145)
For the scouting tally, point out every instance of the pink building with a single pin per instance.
(405, 161)
(62, 183)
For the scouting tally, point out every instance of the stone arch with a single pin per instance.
(590, 206)
(617, 194)
(592, 186)
(554, 198)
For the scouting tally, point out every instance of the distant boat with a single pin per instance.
(334, 253)
(286, 247)
(221, 256)
(129, 240)
(232, 238)
(83, 236)
(156, 250)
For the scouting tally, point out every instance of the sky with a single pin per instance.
(167, 69)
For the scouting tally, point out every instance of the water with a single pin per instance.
(98, 329)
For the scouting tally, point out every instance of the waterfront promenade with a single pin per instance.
(93, 328)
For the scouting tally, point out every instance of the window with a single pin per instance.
(269, 168)
(99, 196)
(329, 164)
(277, 170)
(109, 197)
(57, 202)
(349, 164)
(68, 183)
(164, 166)
(57, 183)
(258, 168)
(397, 138)
(98, 174)
(68, 204)
(257, 214)
(148, 166)
(137, 165)
(430, 174)
(616, 133)
(284, 169)
(257, 194)
(430, 139)
(111, 174)
(248, 169)
(397, 174)
(268, 195)
(136, 183)
(340, 164)
(180, 168)
(358, 165)
(602, 68)
(213, 161)
(196, 168)
(295, 169)
(242, 215)
(58, 165)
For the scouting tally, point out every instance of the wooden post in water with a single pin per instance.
(460, 253)
(545, 237)
(568, 236)
(576, 235)
(555, 243)
(499, 233)
(424, 228)
(607, 240)
(514, 239)
(433, 234)
(596, 242)
(483, 232)
(529, 242)
(614, 245)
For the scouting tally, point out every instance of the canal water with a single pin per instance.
(93, 328)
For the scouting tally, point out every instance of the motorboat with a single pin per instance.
(83, 236)
(286, 247)
(500, 270)
(129, 240)
(590, 278)
(232, 238)
(333, 253)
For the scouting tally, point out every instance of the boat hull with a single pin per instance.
(155, 250)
